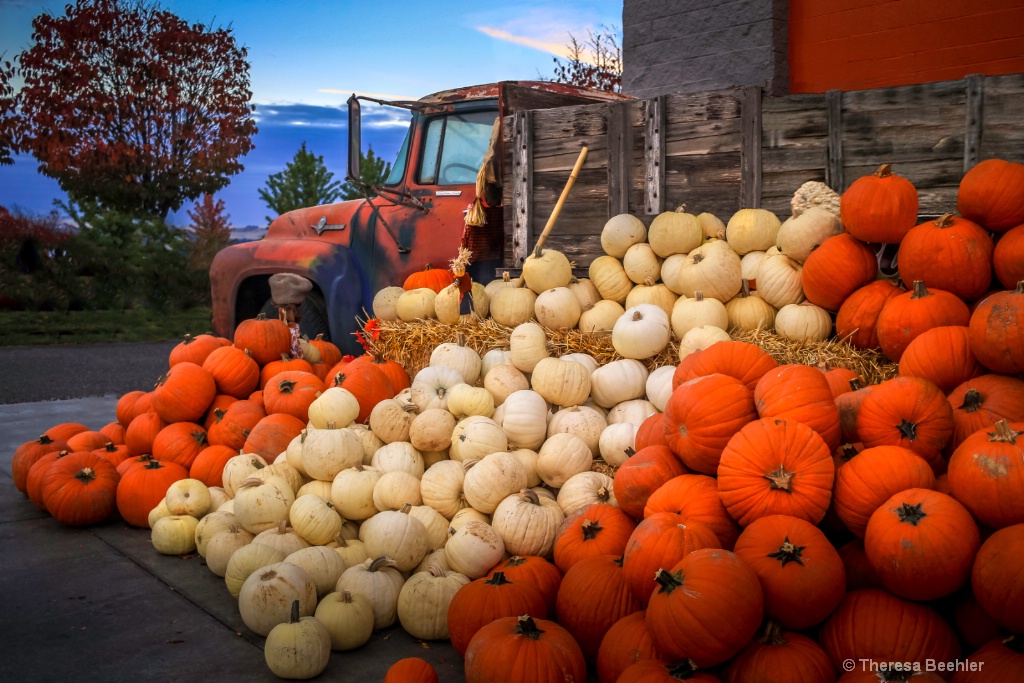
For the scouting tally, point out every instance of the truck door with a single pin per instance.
(446, 153)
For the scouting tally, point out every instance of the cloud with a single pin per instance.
(557, 49)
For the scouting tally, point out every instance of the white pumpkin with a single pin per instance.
(779, 279)
(561, 382)
(712, 268)
(584, 291)
(752, 230)
(429, 387)
(217, 498)
(463, 517)
(335, 404)
(600, 318)
(442, 487)
(465, 400)
(584, 489)
(527, 523)
(697, 312)
(263, 504)
(385, 302)
(617, 381)
(390, 420)
(380, 581)
(585, 359)
(461, 358)
(348, 618)
(188, 497)
(712, 225)
(474, 548)
(800, 235)
(398, 456)
(511, 306)
(529, 459)
(424, 599)
(282, 537)
(641, 263)
(397, 535)
(477, 436)
(299, 648)
(620, 232)
(675, 232)
(223, 545)
(616, 442)
(641, 332)
(749, 264)
(528, 344)
(489, 480)
(211, 524)
(314, 519)
(325, 452)
(557, 309)
(609, 277)
(174, 534)
(431, 430)
(322, 564)
(369, 441)
(239, 468)
(265, 599)
(416, 304)
(502, 380)
(748, 311)
(636, 411)
(700, 338)
(651, 292)
(524, 419)
(583, 421)
(351, 550)
(505, 281)
(803, 322)
(395, 489)
(493, 358)
(562, 456)
(546, 269)
(315, 487)
(658, 387)
(352, 491)
(434, 522)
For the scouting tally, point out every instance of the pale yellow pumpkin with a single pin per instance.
(803, 322)
(697, 312)
(557, 309)
(610, 279)
(779, 279)
(620, 232)
(675, 232)
(299, 648)
(600, 318)
(265, 599)
(561, 382)
(416, 304)
(752, 230)
(641, 263)
(385, 302)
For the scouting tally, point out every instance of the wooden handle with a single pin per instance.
(561, 201)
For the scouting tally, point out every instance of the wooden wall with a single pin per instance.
(724, 150)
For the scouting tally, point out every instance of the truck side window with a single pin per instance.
(398, 168)
(454, 147)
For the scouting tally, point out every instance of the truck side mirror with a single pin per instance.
(354, 141)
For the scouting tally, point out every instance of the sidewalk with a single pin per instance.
(99, 604)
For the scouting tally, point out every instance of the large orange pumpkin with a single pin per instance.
(801, 574)
(986, 474)
(907, 315)
(706, 608)
(483, 600)
(292, 392)
(184, 393)
(234, 371)
(779, 656)
(642, 474)
(992, 193)
(1000, 659)
(430, 277)
(881, 207)
(593, 596)
(179, 442)
(28, 453)
(941, 355)
(513, 649)
(910, 412)
(801, 393)
(264, 338)
(996, 578)
(81, 489)
(535, 571)
(695, 497)
(836, 269)
(285, 362)
(661, 540)
(598, 529)
(857, 318)
(208, 467)
(1008, 257)
(194, 349)
(658, 671)
(143, 487)
(997, 331)
(742, 360)
(125, 408)
(142, 432)
(950, 253)
(907, 541)
(272, 434)
(628, 641)
(232, 426)
(776, 466)
(411, 670)
(367, 383)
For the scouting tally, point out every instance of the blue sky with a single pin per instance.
(307, 57)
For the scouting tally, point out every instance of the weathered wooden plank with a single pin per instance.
(704, 106)
(834, 161)
(620, 149)
(707, 144)
(654, 156)
(750, 148)
(807, 160)
(522, 184)
(570, 121)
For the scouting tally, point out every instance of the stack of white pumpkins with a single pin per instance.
(365, 525)
(690, 278)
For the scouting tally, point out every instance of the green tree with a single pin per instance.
(130, 107)
(373, 170)
(593, 63)
(305, 181)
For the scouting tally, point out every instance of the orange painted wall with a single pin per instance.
(861, 44)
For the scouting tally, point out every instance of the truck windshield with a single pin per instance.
(398, 168)
(454, 147)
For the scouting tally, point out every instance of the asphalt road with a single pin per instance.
(62, 371)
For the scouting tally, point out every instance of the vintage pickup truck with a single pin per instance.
(352, 249)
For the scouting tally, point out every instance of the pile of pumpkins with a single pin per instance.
(759, 515)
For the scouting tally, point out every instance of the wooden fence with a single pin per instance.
(724, 150)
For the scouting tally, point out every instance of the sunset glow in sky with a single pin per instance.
(306, 58)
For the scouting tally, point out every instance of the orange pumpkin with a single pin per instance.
(779, 656)
(996, 578)
(941, 355)
(661, 540)
(179, 442)
(627, 641)
(986, 474)
(125, 409)
(65, 430)
(1000, 659)
(329, 353)
(593, 596)
(950, 253)
(642, 474)
(982, 401)
(997, 331)
(430, 277)
(483, 600)
(234, 371)
(513, 649)
(1008, 257)
(907, 315)
(265, 339)
(81, 489)
(194, 349)
(535, 571)
(367, 383)
(142, 432)
(411, 670)
(695, 497)
(598, 529)
(184, 393)
(840, 266)
(285, 362)
(88, 440)
(881, 207)
(143, 487)
(857, 318)
(208, 467)
(272, 434)
(992, 194)
(232, 426)
(910, 412)
(744, 361)
(799, 392)
(657, 671)
(28, 453)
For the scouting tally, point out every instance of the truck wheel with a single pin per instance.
(314, 316)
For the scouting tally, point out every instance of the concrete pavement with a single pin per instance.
(99, 604)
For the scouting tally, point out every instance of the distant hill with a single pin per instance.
(249, 233)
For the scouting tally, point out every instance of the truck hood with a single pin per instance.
(327, 222)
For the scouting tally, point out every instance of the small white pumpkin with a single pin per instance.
(529, 459)
(348, 618)
(465, 400)
(461, 358)
(351, 550)
(397, 535)
(314, 519)
(714, 228)
(620, 232)
(299, 648)
(434, 522)
(465, 515)
(600, 318)
(325, 452)
(588, 361)
(223, 545)
(748, 311)
(489, 480)
(616, 442)
(658, 387)
(416, 304)
(384, 303)
(245, 561)
(188, 497)
(390, 420)
(562, 456)
(429, 387)
(239, 468)
(477, 436)
(211, 524)
(265, 599)
(803, 322)
(398, 456)
(282, 537)
(424, 599)
(442, 487)
(493, 358)
(561, 382)
(697, 312)
(641, 332)
(431, 430)
(395, 489)
(502, 380)
(651, 292)
(752, 230)
(585, 291)
(352, 491)
(315, 487)
(322, 564)
(174, 534)
(474, 548)
(700, 338)
(557, 309)
(379, 580)
(528, 344)
(675, 232)
(636, 411)
(217, 498)
(617, 381)
(779, 279)
(511, 306)
(546, 269)
(527, 523)
(524, 419)
(641, 263)
(263, 504)
(584, 489)
(609, 277)
(749, 264)
(335, 404)
(713, 268)
(800, 235)
(586, 422)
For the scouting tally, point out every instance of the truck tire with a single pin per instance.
(314, 316)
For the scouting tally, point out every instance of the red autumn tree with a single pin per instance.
(7, 107)
(593, 63)
(127, 105)
(211, 232)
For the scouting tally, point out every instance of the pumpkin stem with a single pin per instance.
(629, 451)
(788, 552)
(668, 581)
(780, 478)
(515, 561)
(381, 562)
(910, 514)
(698, 295)
(773, 633)
(498, 579)
(972, 401)
(603, 494)
(528, 627)
(85, 475)
(1020, 288)
(530, 496)
(847, 452)
(907, 429)
(286, 386)
(856, 384)
(884, 171)
(944, 221)
(683, 671)
(295, 612)
(637, 316)
(282, 527)
(1014, 643)
(920, 291)
(109, 447)
(744, 288)
(406, 508)
(591, 529)
(155, 465)
(345, 596)
(44, 439)
(697, 258)
(1004, 433)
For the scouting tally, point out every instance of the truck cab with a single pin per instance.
(352, 249)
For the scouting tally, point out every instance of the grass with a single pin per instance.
(32, 328)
